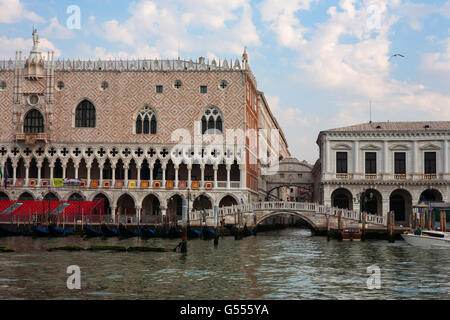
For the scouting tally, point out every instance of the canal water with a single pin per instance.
(285, 264)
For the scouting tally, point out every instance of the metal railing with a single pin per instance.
(343, 176)
(427, 176)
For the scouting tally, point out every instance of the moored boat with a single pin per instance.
(41, 232)
(9, 231)
(59, 231)
(128, 232)
(193, 233)
(207, 233)
(147, 232)
(352, 234)
(428, 239)
(91, 232)
(109, 231)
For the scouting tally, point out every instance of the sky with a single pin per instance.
(320, 63)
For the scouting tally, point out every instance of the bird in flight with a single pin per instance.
(396, 55)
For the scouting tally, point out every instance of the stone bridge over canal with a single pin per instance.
(313, 214)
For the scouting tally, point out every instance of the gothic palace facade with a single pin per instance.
(109, 125)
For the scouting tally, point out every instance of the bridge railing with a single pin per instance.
(289, 206)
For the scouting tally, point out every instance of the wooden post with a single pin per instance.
(430, 219)
(413, 220)
(422, 220)
(339, 225)
(363, 235)
(183, 248)
(443, 222)
(216, 222)
(222, 225)
(391, 224)
(328, 227)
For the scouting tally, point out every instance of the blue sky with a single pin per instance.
(318, 62)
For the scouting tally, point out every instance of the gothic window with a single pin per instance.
(146, 121)
(34, 122)
(203, 89)
(212, 121)
(2, 85)
(85, 115)
(159, 89)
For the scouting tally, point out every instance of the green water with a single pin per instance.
(286, 264)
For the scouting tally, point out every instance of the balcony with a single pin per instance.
(343, 176)
(122, 184)
(371, 176)
(32, 138)
(429, 176)
(398, 176)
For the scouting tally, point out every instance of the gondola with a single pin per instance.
(59, 232)
(207, 233)
(193, 233)
(91, 232)
(174, 233)
(41, 232)
(109, 231)
(247, 231)
(127, 232)
(9, 232)
(147, 232)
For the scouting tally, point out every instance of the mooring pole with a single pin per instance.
(216, 231)
(340, 225)
(430, 218)
(391, 224)
(184, 229)
(363, 217)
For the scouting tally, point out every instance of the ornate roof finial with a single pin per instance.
(245, 55)
(35, 40)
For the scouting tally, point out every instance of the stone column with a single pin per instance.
(138, 181)
(27, 173)
(415, 156)
(325, 153)
(356, 170)
(202, 180)
(14, 165)
(76, 167)
(385, 161)
(138, 214)
(228, 166)
(52, 167)
(176, 175)
(215, 175)
(445, 168)
(189, 183)
(125, 177)
(150, 166)
(163, 214)
(39, 168)
(88, 180)
(113, 175)
(113, 213)
(163, 168)
(100, 180)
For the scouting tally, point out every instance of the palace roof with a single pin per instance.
(396, 126)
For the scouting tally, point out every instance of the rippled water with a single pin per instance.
(286, 264)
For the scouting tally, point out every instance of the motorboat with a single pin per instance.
(428, 239)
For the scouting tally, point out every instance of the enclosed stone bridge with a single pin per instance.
(313, 214)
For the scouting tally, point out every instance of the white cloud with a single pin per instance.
(57, 31)
(438, 63)
(161, 27)
(354, 72)
(12, 11)
(8, 47)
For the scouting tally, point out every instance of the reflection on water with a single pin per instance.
(287, 264)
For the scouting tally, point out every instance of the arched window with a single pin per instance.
(212, 121)
(85, 115)
(146, 121)
(34, 122)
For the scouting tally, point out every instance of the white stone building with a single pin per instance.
(384, 166)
